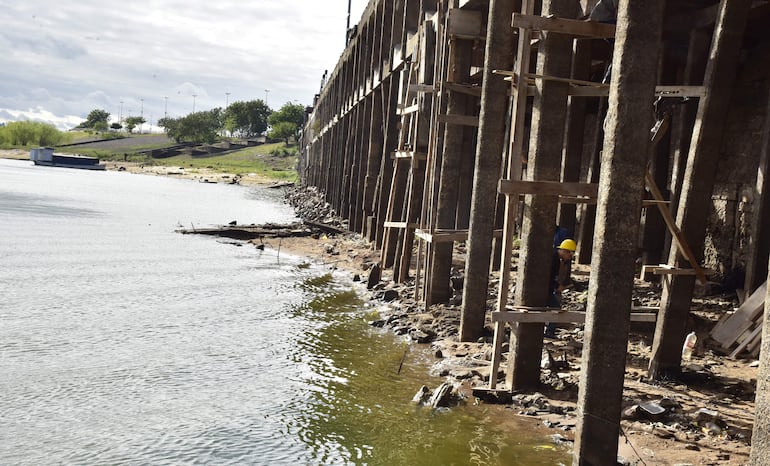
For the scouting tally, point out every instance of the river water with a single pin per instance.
(122, 342)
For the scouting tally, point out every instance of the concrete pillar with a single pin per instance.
(549, 117)
(573, 153)
(386, 164)
(760, 438)
(698, 185)
(621, 185)
(755, 270)
(376, 141)
(491, 145)
(449, 181)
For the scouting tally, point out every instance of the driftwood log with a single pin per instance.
(247, 232)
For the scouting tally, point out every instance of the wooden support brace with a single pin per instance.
(408, 154)
(675, 231)
(559, 316)
(401, 225)
(665, 269)
(407, 110)
(572, 27)
(463, 88)
(421, 88)
(444, 236)
(551, 188)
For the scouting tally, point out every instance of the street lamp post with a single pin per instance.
(165, 108)
(227, 99)
(141, 115)
(194, 96)
(267, 91)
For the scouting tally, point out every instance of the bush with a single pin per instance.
(31, 133)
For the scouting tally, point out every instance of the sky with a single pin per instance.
(62, 59)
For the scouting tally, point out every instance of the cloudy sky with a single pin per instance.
(62, 59)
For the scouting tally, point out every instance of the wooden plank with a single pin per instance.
(576, 200)
(750, 339)
(665, 269)
(409, 154)
(462, 120)
(463, 88)
(421, 88)
(442, 236)
(552, 188)
(572, 27)
(401, 225)
(726, 332)
(407, 110)
(559, 317)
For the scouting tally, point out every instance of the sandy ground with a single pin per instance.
(202, 175)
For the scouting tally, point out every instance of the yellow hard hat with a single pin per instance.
(568, 244)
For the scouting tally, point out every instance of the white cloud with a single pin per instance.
(63, 59)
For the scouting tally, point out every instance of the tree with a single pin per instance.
(289, 113)
(283, 130)
(134, 121)
(27, 133)
(94, 118)
(198, 127)
(246, 119)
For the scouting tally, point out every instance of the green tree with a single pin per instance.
(134, 121)
(100, 126)
(283, 130)
(289, 113)
(198, 127)
(246, 119)
(94, 118)
(31, 133)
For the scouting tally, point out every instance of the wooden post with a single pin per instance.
(698, 185)
(621, 184)
(491, 145)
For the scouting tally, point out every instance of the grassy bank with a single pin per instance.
(275, 161)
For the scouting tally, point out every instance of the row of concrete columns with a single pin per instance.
(356, 127)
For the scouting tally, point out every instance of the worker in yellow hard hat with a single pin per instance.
(561, 270)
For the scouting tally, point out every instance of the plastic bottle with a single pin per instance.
(689, 346)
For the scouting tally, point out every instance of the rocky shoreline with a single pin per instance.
(705, 417)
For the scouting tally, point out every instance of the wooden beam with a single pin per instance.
(401, 225)
(558, 316)
(572, 27)
(550, 188)
(407, 109)
(441, 236)
(421, 88)
(409, 154)
(463, 88)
